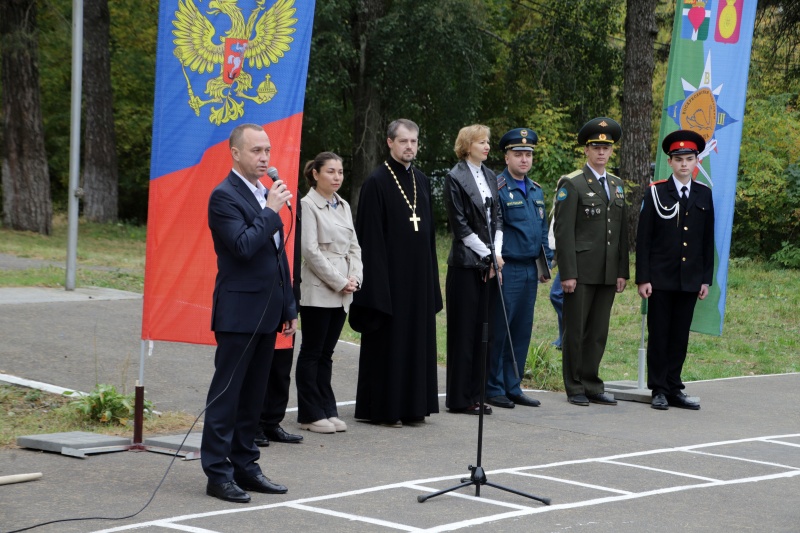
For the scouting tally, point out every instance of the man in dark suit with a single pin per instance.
(252, 301)
(674, 265)
(591, 232)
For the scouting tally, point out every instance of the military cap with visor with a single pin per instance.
(683, 142)
(519, 139)
(600, 131)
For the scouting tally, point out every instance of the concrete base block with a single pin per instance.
(55, 442)
(628, 391)
(172, 442)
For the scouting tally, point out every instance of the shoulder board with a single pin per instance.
(501, 181)
(575, 174)
(695, 182)
(536, 184)
(613, 175)
(657, 182)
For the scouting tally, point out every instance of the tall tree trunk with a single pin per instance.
(637, 103)
(369, 130)
(25, 177)
(100, 173)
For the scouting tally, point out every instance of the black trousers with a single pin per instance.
(669, 316)
(242, 365)
(276, 399)
(321, 329)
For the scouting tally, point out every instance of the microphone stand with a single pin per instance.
(477, 474)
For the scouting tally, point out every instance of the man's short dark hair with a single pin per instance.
(238, 132)
(391, 131)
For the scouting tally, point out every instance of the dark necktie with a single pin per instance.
(603, 185)
(684, 198)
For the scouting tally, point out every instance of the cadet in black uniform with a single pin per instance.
(674, 265)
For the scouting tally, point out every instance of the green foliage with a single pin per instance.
(543, 367)
(768, 190)
(133, 43)
(104, 404)
(788, 255)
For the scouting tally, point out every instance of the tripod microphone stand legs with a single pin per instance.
(478, 478)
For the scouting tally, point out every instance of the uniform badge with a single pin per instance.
(619, 189)
(589, 194)
(511, 194)
(541, 212)
(562, 194)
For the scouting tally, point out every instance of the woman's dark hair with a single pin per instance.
(316, 164)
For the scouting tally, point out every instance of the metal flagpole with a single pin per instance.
(74, 143)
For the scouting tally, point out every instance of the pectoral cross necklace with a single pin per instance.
(413, 218)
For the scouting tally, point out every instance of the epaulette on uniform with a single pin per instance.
(501, 182)
(657, 182)
(695, 182)
(569, 177)
(536, 184)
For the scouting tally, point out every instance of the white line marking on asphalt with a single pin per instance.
(190, 529)
(520, 510)
(468, 497)
(348, 516)
(778, 465)
(571, 482)
(772, 441)
(671, 472)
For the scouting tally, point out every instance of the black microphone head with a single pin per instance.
(272, 172)
(487, 201)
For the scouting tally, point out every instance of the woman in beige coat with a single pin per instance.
(330, 274)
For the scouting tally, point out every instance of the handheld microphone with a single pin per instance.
(272, 172)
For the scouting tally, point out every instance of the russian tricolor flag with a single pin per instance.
(219, 63)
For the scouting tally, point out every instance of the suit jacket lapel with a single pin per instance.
(468, 180)
(243, 190)
(594, 184)
(673, 192)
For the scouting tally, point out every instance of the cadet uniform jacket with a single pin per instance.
(591, 234)
(676, 254)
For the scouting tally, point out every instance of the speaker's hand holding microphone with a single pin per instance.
(279, 193)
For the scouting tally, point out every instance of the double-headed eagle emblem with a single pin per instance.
(260, 41)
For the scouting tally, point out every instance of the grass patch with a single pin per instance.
(26, 411)
(109, 256)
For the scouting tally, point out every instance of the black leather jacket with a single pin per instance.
(466, 213)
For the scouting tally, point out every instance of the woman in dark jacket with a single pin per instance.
(470, 284)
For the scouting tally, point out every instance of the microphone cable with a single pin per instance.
(281, 253)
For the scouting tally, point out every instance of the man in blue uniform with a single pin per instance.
(674, 265)
(524, 238)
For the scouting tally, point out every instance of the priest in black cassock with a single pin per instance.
(395, 311)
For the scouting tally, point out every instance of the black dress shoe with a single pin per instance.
(230, 492)
(261, 483)
(578, 399)
(682, 401)
(500, 401)
(278, 434)
(521, 399)
(260, 439)
(603, 398)
(659, 402)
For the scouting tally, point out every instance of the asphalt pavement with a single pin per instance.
(732, 466)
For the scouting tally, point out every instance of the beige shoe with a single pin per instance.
(320, 426)
(338, 424)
